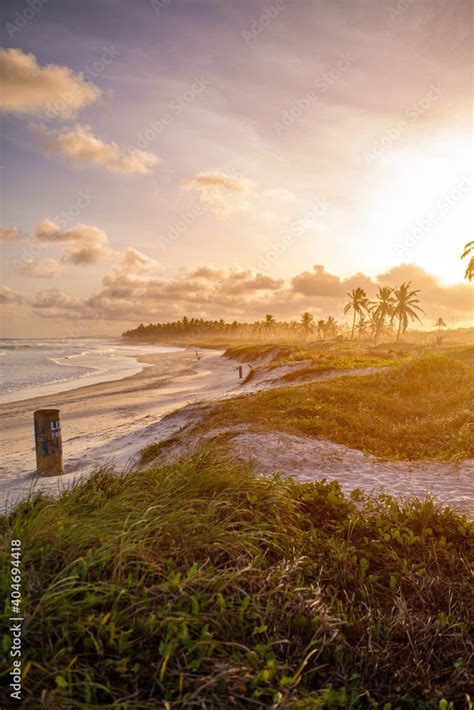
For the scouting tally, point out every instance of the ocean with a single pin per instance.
(33, 367)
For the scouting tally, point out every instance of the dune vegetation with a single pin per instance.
(198, 584)
(315, 358)
(421, 409)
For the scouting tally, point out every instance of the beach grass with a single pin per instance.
(316, 359)
(341, 354)
(421, 409)
(198, 584)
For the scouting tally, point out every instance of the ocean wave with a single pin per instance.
(59, 361)
(90, 352)
(57, 381)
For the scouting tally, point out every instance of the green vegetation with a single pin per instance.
(469, 252)
(359, 304)
(422, 409)
(331, 364)
(337, 356)
(316, 359)
(202, 585)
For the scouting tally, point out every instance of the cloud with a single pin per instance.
(203, 291)
(217, 181)
(88, 244)
(220, 191)
(44, 269)
(56, 303)
(9, 297)
(85, 254)
(135, 262)
(136, 291)
(9, 234)
(48, 231)
(321, 283)
(246, 283)
(449, 299)
(83, 148)
(31, 89)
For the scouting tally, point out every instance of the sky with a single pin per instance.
(231, 158)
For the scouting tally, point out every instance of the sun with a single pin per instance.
(421, 208)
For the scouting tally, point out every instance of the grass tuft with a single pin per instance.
(202, 585)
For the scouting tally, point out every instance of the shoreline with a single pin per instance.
(110, 423)
(137, 362)
(107, 423)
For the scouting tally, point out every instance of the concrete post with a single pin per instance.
(48, 442)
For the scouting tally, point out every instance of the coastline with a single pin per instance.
(125, 364)
(107, 423)
(110, 423)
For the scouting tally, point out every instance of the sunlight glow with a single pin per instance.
(422, 207)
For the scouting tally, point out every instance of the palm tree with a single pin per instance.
(270, 323)
(470, 267)
(382, 308)
(331, 326)
(321, 328)
(440, 324)
(307, 321)
(405, 307)
(359, 303)
(362, 327)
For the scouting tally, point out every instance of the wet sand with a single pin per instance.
(107, 423)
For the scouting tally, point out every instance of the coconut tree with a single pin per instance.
(381, 309)
(307, 322)
(405, 307)
(359, 304)
(270, 323)
(440, 324)
(469, 249)
(321, 328)
(331, 326)
(362, 328)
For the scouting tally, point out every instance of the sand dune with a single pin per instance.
(112, 422)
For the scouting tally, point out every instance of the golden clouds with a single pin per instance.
(28, 88)
(84, 148)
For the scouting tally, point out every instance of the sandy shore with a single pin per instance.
(111, 422)
(107, 423)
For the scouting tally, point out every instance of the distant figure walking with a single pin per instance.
(197, 355)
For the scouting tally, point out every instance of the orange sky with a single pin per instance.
(232, 158)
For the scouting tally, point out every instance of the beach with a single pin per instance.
(110, 422)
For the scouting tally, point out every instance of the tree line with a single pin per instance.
(391, 310)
